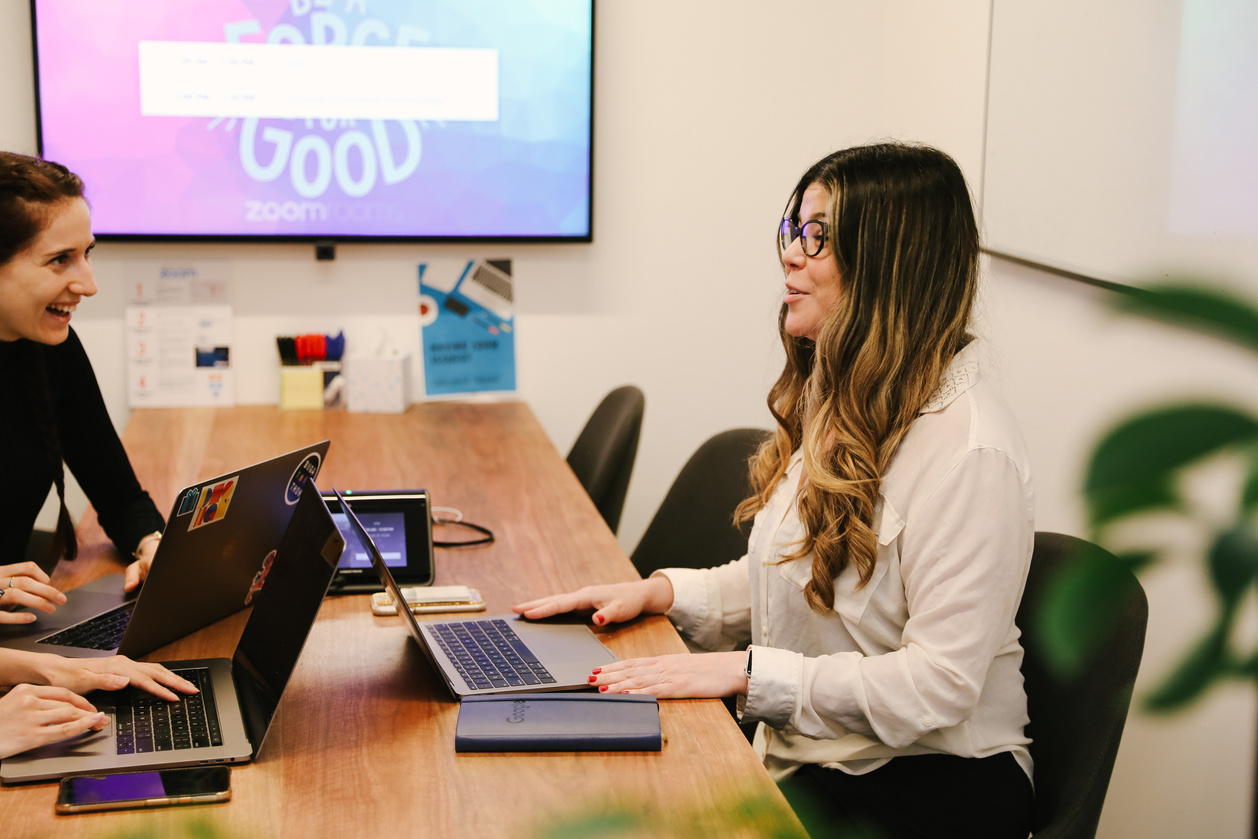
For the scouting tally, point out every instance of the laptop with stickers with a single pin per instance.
(220, 536)
(227, 720)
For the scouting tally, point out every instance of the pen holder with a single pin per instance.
(378, 384)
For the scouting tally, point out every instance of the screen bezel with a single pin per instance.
(331, 239)
(416, 509)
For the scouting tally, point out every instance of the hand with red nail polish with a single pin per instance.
(684, 676)
(613, 603)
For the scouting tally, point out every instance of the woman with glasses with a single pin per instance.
(893, 524)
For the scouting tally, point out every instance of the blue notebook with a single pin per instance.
(558, 722)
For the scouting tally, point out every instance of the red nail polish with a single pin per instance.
(603, 689)
(597, 670)
(599, 619)
(591, 680)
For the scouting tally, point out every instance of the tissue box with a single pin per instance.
(301, 388)
(378, 384)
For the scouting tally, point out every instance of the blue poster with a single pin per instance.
(467, 324)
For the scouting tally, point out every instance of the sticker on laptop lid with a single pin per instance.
(189, 501)
(213, 502)
(259, 579)
(302, 475)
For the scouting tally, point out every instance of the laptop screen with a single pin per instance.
(293, 588)
(382, 569)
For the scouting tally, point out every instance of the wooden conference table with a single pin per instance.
(363, 743)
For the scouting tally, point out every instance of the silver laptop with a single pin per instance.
(228, 720)
(496, 654)
(217, 537)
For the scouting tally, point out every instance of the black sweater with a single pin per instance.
(90, 447)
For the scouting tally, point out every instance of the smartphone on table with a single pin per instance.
(131, 790)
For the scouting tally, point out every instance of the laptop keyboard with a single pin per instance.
(103, 632)
(147, 723)
(488, 654)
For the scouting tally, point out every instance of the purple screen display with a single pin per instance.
(322, 118)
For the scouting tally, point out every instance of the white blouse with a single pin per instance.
(925, 658)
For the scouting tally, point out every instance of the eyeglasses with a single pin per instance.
(811, 235)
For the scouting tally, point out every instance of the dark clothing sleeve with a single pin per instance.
(89, 445)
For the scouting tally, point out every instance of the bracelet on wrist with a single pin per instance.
(155, 536)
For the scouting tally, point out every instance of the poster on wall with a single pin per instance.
(179, 335)
(467, 326)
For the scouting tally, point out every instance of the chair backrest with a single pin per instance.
(602, 456)
(1076, 724)
(694, 525)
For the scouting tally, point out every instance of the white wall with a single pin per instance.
(706, 113)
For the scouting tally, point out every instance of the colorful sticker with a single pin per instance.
(302, 475)
(189, 501)
(213, 502)
(259, 579)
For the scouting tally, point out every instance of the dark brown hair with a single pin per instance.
(30, 190)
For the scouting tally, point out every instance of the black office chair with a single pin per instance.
(602, 456)
(1076, 724)
(694, 525)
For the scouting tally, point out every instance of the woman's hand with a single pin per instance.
(612, 603)
(33, 715)
(684, 676)
(84, 675)
(24, 584)
(137, 571)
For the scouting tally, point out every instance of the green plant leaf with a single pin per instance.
(1249, 494)
(1110, 503)
(1233, 564)
(1205, 663)
(1078, 609)
(1209, 311)
(1132, 466)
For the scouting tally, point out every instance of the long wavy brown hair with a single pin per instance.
(903, 235)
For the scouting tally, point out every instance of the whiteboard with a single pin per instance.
(1122, 138)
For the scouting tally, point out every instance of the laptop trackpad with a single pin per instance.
(569, 652)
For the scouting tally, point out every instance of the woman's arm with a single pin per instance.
(710, 606)
(97, 458)
(614, 603)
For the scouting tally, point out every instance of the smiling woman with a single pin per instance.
(52, 409)
(41, 285)
(55, 412)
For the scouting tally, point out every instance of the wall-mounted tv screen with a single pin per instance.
(438, 120)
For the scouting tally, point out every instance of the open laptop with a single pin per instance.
(217, 538)
(238, 697)
(497, 654)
